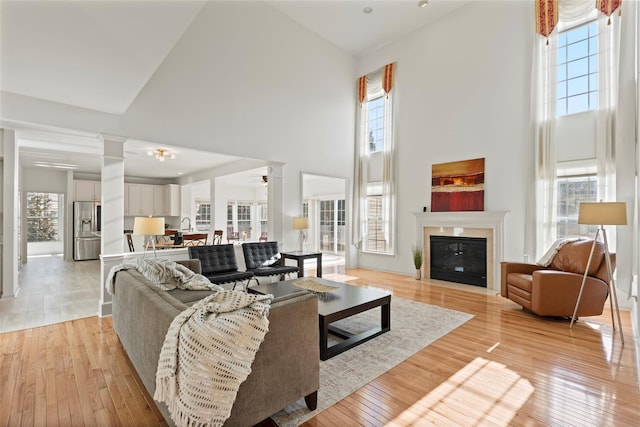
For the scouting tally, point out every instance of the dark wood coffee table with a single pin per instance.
(339, 304)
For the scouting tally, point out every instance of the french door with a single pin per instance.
(332, 226)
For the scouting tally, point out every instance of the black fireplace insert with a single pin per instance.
(459, 259)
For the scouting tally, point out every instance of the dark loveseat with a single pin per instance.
(285, 369)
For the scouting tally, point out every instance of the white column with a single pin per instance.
(112, 224)
(68, 205)
(275, 202)
(10, 214)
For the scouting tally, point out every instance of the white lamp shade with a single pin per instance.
(603, 213)
(148, 226)
(300, 223)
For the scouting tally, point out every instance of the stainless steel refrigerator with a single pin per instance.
(86, 230)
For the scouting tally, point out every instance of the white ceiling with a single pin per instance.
(345, 24)
(100, 54)
(91, 54)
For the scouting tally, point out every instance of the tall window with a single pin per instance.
(374, 213)
(577, 88)
(42, 217)
(572, 188)
(341, 222)
(263, 215)
(230, 216)
(376, 241)
(375, 124)
(203, 214)
(239, 218)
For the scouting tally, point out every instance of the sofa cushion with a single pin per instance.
(573, 257)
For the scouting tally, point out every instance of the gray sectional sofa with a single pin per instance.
(285, 369)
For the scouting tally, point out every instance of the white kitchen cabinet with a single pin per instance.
(171, 200)
(139, 199)
(87, 191)
(158, 200)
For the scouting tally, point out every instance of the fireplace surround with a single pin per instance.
(484, 224)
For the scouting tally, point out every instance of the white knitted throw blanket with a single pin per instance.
(547, 258)
(165, 274)
(206, 355)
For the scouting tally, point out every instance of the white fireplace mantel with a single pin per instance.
(493, 220)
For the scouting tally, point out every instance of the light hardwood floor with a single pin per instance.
(503, 367)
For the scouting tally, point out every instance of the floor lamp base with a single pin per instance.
(613, 297)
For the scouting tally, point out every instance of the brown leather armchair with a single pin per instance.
(553, 290)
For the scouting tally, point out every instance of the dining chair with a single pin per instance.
(232, 235)
(130, 242)
(217, 237)
(197, 239)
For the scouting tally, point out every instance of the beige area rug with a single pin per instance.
(414, 325)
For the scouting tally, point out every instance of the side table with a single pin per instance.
(300, 256)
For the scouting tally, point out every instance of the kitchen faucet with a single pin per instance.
(189, 220)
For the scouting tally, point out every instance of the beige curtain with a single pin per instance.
(371, 86)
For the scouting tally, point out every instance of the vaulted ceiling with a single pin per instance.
(100, 54)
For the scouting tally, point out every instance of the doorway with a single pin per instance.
(324, 202)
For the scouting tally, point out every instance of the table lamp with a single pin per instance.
(301, 223)
(148, 226)
(601, 214)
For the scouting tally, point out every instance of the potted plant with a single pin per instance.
(417, 261)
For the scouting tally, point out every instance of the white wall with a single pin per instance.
(243, 80)
(462, 93)
(45, 180)
(256, 85)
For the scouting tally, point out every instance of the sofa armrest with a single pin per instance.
(287, 366)
(507, 268)
(192, 264)
(554, 293)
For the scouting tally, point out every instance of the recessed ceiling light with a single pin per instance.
(367, 9)
(423, 3)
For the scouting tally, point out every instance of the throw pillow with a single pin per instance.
(272, 261)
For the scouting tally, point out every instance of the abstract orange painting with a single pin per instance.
(458, 186)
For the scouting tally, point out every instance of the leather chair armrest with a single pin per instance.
(554, 293)
(507, 268)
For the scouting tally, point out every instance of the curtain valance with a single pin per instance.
(548, 12)
(376, 82)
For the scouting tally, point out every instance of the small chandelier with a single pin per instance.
(161, 154)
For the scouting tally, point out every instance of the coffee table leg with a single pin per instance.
(324, 338)
(319, 265)
(385, 317)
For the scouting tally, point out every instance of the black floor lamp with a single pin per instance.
(601, 214)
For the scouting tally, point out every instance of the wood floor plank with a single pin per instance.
(503, 367)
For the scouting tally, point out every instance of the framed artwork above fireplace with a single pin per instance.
(457, 186)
